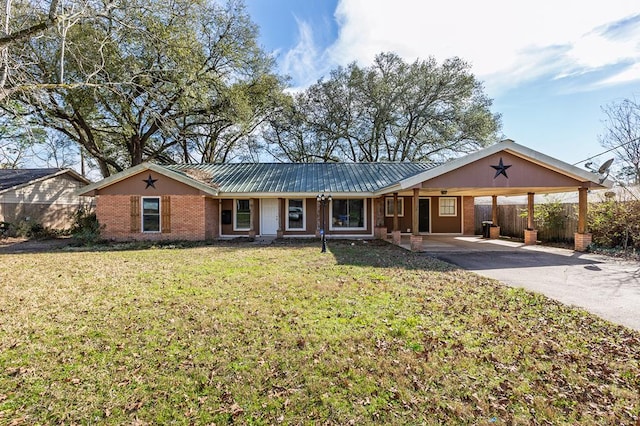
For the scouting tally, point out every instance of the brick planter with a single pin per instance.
(380, 232)
(396, 237)
(582, 241)
(494, 232)
(530, 237)
(416, 242)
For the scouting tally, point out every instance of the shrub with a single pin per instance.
(6, 230)
(86, 227)
(615, 224)
(550, 219)
(32, 229)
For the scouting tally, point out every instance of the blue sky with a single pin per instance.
(548, 65)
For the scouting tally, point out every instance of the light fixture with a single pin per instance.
(443, 192)
(323, 200)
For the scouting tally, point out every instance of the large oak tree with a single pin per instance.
(389, 111)
(138, 80)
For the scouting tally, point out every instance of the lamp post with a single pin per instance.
(323, 200)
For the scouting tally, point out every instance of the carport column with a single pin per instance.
(582, 237)
(494, 230)
(530, 234)
(395, 234)
(416, 238)
(252, 229)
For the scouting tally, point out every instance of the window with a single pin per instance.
(296, 214)
(389, 207)
(242, 216)
(347, 214)
(448, 206)
(151, 214)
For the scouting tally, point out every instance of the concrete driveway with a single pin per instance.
(605, 286)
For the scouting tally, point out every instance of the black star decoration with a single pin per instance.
(150, 182)
(501, 169)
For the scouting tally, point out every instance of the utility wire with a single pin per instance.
(604, 152)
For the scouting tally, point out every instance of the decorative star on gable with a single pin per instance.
(150, 182)
(501, 169)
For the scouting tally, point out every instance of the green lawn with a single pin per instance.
(245, 334)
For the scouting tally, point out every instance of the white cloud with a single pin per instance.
(507, 42)
(302, 62)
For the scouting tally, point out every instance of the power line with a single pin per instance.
(604, 152)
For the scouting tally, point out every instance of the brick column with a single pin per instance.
(469, 212)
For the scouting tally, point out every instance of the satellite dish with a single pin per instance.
(605, 167)
(603, 171)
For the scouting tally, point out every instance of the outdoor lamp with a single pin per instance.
(323, 200)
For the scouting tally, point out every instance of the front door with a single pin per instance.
(423, 215)
(269, 216)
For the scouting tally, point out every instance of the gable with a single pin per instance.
(516, 172)
(148, 183)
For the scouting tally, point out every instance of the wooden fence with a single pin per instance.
(512, 224)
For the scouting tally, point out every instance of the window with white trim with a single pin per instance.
(296, 214)
(448, 206)
(242, 215)
(348, 213)
(151, 214)
(389, 207)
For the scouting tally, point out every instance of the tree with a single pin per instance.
(165, 81)
(623, 136)
(37, 23)
(392, 111)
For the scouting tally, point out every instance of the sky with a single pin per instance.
(549, 66)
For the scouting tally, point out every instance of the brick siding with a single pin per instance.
(187, 218)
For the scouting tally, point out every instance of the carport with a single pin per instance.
(503, 169)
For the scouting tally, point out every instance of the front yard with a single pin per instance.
(367, 333)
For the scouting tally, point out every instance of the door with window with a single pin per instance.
(424, 207)
(269, 216)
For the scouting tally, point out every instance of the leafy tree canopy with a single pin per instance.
(137, 80)
(389, 111)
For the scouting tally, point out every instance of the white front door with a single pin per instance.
(269, 216)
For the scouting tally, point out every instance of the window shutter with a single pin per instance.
(165, 211)
(135, 213)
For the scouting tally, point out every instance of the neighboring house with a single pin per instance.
(45, 196)
(208, 201)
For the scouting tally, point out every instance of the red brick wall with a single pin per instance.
(211, 217)
(468, 208)
(187, 218)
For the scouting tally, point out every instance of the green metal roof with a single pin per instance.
(304, 177)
